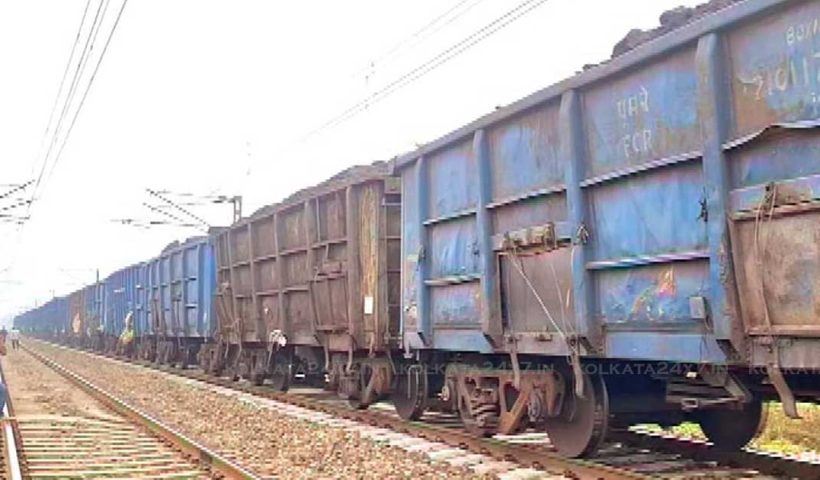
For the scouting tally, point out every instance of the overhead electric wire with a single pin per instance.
(71, 90)
(417, 35)
(62, 82)
(41, 173)
(87, 89)
(15, 205)
(16, 189)
(12, 218)
(63, 79)
(433, 63)
(181, 209)
(163, 212)
(151, 223)
(203, 198)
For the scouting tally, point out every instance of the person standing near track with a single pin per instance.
(14, 336)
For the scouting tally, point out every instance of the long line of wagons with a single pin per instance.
(638, 243)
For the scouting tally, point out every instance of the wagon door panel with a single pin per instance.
(329, 284)
(776, 234)
(530, 242)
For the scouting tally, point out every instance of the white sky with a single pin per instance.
(217, 96)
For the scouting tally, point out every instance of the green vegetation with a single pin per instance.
(781, 434)
(784, 435)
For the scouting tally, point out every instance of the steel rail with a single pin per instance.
(520, 454)
(768, 463)
(206, 457)
(13, 466)
(526, 455)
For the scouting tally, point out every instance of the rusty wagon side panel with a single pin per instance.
(321, 267)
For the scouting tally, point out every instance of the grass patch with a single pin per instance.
(784, 435)
(781, 434)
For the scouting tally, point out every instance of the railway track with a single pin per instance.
(629, 455)
(9, 439)
(115, 441)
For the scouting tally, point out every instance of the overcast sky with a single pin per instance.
(210, 96)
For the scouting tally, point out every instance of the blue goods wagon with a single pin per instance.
(179, 302)
(25, 322)
(660, 212)
(52, 318)
(123, 303)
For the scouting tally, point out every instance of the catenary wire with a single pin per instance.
(62, 83)
(70, 96)
(181, 209)
(419, 35)
(87, 89)
(438, 60)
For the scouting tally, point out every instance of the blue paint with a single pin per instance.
(651, 213)
(775, 71)
(572, 153)
(632, 167)
(454, 248)
(650, 294)
(750, 199)
(51, 318)
(643, 116)
(523, 154)
(452, 180)
(782, 157)
(121, 298)
(94, 308)
(490, 314)
(180, 290)
(712, 93)
(672, 347)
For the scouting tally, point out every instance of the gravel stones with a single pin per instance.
(259, 438)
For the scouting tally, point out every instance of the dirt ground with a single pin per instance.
(38, 390)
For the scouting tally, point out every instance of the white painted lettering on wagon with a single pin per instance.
(792, 70)
(636, 141)
(802, 31)
(633, 105)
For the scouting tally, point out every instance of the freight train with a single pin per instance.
(638, 243)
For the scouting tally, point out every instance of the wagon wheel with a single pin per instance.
(410, 392)
(216, 360)
(281, 373)
(185, 357)
(583, 423)
(256, 369)
(356, 398)
(230, 363)
(731, 430)
(480, 419)
(233, 370)
(159, 356)
(204, 358)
